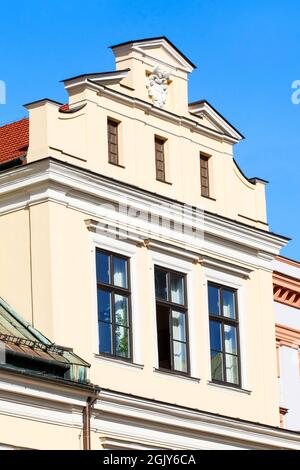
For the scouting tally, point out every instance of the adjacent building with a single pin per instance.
(131, 235)
(286, 278)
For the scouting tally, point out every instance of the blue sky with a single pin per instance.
(247, 54)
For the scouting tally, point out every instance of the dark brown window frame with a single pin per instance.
(126, 292)
(113, 157)
(231, 322)
(204, 180)
(175, 307)
(162, 142)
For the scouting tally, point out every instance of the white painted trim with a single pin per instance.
(177, 264)
(205, 109)
(143, 46)
(51, 180)
(117, 362)
(168, 426)
(126, 249)
(236, 283)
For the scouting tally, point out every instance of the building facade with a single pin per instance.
(286, 280)
(132, 236)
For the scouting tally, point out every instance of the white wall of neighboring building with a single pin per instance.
(290, 386)
(289, 358)
(288, 316)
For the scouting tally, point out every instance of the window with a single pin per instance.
(224, 334)
(160, 159)
(113, 292)
(171, 318)
(112, 137)
(204, 174)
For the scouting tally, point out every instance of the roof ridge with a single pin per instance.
(13, 122)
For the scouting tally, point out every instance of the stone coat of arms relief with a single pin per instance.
(157, 85)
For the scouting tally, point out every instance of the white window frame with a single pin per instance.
(184, 267)
(228, 280)
(131, 251)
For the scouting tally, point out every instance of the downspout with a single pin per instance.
(86, 419)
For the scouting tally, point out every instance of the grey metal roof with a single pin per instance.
(25, 348)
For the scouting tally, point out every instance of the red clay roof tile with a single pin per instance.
(14, 140)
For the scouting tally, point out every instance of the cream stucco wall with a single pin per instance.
(64, 309)
(19, 432)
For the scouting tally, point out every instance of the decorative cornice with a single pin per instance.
(286, 290)
(198, 426)
(286, 336)
(205, 234)
(192, 124)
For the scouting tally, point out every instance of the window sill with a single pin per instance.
(117, 164)
(176, 375)
(118, 362)
(229, 388)
(208, 197)
(163, 181)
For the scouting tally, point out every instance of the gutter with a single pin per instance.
(86, 419)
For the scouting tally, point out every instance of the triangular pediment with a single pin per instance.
(213, 119)
(159, 49)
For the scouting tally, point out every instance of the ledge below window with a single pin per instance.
(229, 388)
(176, 375)
(118, 362)
(116, 164)
(164, 181)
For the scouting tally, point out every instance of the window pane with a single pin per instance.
(121, 310)
(216, 365)
(178, 326)
(163, 336)
(230, 339)
(105, 343)
(120, 271)
(104, 305)
(161, 285)
(232, 369)
(228, 303)
(214, 300)
(122, 341)
(179, 356)
(102, 267)
(215, 335)
(177, 289)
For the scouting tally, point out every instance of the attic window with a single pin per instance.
(112, 138)
(204, 174)
(160, 159)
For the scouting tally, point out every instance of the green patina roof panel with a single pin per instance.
(28, 349)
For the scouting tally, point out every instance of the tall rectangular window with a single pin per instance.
(224, 335)
(160, 159)
(113, 292)
(204, 174)
(112, 138)
(171, 318)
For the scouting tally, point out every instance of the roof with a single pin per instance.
(157, 38)
(26, 349)
(14, 140)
